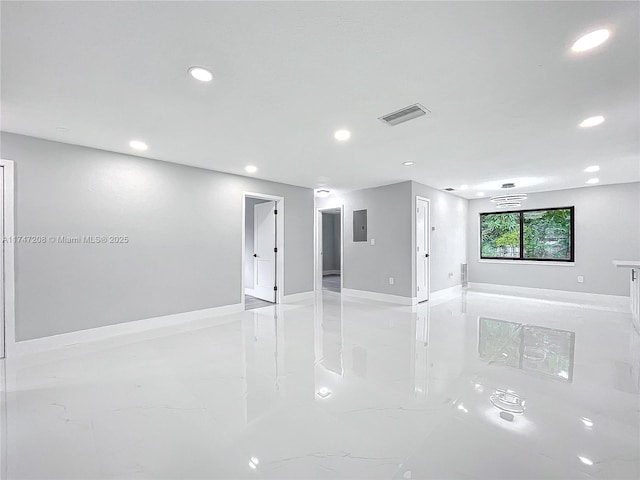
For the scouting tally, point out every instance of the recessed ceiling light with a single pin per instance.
(591, 40)
(250, 169)
(408, 164)
(138, 145)
(593, 181)
(464, 187)
(200, 73)
(585, 460)
(592, 121)
(592, 168)
(480, 194)
(342, 135)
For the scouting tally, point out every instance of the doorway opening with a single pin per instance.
(423, 260)
(263, 250)
(329, 265)
(7, 281)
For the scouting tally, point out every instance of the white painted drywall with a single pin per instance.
(184, 226)
(448, 248)
(607, 227)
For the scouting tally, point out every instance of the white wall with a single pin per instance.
(449, 239)
(607, 227)
(185, 236)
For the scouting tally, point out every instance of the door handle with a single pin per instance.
(255, 254)
(426, 255)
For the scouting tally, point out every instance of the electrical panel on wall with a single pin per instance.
(360, 226)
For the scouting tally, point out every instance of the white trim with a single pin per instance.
(445, 294)
(280, 282)
(62, 340)
(299, 297)
(528, 262)
(9, 315)
(415, 233)
(317, 243)
(597, 301)
(380, 297)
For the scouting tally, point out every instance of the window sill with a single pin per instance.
(529, 262)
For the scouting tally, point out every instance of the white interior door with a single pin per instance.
(2, 315)
(264, 244)
(422, 249)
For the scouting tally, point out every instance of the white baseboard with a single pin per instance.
(381, 297)
(616, 303)
(444, 295)
(331, 272)
(62, 340)
(298, 297)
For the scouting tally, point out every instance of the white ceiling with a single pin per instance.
(505, 92)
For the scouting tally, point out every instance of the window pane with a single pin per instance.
(500, 235)
(547, 234)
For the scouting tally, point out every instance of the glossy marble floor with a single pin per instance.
(481, 386)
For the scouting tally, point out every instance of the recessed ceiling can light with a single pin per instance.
(592, 168)
(323, 192)
(138, 145)
(200, 73)
(592, 121)
(342, 135)
(408, 164)
(250, 169)
(585, 460)
(593, 181)
(591, 40)
(480, 194)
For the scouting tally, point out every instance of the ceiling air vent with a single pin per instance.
(404, 114)
(449, 189)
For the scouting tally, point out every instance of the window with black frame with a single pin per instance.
(542, 234)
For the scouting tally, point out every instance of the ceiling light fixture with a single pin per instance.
(138, 145)
(480, 194)
(585, 460)
(250, 169)
(323, 392)
(201, 73)
(593, 181)
(342, 135)
(587, 422)
(591, 121)
(510, 200)
(408, 164)
(591, 40)
(323, 192)
(592, 168)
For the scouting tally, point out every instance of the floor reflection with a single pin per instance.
(531, 348)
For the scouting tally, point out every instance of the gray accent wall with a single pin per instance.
(391, 222)
(368, 267)
(330, 241)
(607, 228)
(184, 229)
(448, 218)
(249, 239)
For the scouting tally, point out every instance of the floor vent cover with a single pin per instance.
(404, 114)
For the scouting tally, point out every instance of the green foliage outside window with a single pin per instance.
(546, 234)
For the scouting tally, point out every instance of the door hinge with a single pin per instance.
(275, 288)
(275, 250)
(275, 212)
